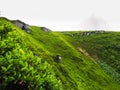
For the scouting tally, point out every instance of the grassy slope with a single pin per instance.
(103, 47)
(19, 67)
(77, 71)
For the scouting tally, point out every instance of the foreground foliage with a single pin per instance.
(20, 69)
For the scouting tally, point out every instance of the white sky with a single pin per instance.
(65, 14)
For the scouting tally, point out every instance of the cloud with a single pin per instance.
(95, 23)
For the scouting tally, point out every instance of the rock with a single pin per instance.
(58, 58)
(22, 25)
(92, 32)
(45, 29)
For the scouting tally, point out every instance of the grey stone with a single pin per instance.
(45, 29)
(58, 58)
(22, 25)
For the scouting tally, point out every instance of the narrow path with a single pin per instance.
(83, 51)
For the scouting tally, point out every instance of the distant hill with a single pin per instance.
(47, 60)
(103, 47)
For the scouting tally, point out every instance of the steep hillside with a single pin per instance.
(20, 68)
(103, 47)
(77, 71)
(33, 58)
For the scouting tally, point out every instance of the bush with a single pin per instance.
(19, 68)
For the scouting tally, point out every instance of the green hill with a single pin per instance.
(103, 47)
(29, 60)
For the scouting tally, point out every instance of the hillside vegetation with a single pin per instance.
(28, 60)
(103, 47)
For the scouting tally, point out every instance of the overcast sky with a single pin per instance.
(65, 14)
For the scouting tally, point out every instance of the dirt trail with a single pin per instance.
(86, 54)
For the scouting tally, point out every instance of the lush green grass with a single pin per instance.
(102, 47)
(77, 71)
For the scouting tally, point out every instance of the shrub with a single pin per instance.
(20, 69)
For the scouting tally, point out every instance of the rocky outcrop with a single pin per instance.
(85, 33)
(22, 25)
(93, 32)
